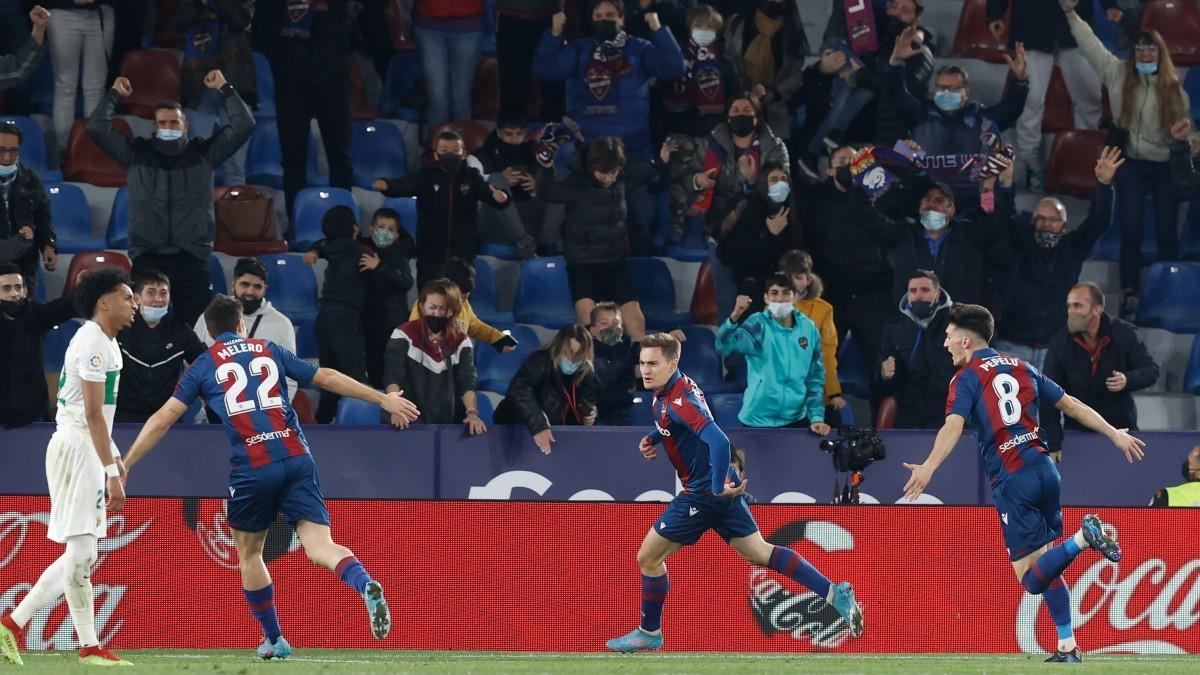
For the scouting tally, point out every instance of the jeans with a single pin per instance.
(75, 35)
(1034, 355)
(1135, 180)
(847, 103)
(449, 61)
(204, 122)
(1083, 85)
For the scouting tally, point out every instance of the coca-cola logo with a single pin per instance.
(803, 615)
(209, 519)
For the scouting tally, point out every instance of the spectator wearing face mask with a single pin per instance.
(25, 227)
(765, 229)
(1048, 261)
(508, 161)
(767, 44)
(1187, 493)
(555, 386)
(388, 247)
(798, 265)
(23, 327)
(462, 274)
(785, 371)
(616, 358)
(913, 364)
(448, 192)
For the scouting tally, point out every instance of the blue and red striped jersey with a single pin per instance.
(998, 396)
(242, 381)
(680, 414)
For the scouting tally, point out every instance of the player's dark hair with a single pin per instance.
(9, 268)
(251, 266)
(1094, 290)
(13, 129)
(927, 274)
(602, 307)
(667, 343)
(781, 280)
(223, 315)
(462, 273)
(96, 284)
(560, 345)
(150, 277)
(974, 319)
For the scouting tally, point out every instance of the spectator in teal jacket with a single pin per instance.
(783, 354)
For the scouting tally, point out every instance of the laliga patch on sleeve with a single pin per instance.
(95, 361)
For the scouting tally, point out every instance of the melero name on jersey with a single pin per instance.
(240, 347)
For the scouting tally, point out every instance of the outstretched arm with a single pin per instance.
(394, 403)
(1085, 415)
(943, 445)
(153, 430)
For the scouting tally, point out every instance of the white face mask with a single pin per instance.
(779, 310)
(704, 37)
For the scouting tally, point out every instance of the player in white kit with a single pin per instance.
(81, 463)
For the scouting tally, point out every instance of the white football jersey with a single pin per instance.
(92, 356)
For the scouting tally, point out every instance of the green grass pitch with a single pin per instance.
(395, 662)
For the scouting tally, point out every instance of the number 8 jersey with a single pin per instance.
(999, 396)
(242, 381)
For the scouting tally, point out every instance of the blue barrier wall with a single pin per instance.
(442, 462)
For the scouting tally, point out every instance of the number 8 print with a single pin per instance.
(1007, 388)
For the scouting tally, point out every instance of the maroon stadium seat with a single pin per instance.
(154, 74)
(85, 162)
(973, 40)
(91, 260)
(1178, 21)
(473, 133)
(704, 297)
(1071, 169)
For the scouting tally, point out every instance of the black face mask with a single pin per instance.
(771, 9)
(449, 163)
(742, 125)
(436, 324)
(13, 307)
(891, 27)
(843, 176)
(921, 309)
(251, 306)
(605, 30)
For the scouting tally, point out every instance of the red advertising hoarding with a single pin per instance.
(562, 577)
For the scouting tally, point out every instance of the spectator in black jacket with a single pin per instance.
(913, 364)
(555, 386)
(1099, 360)
(507, 160)
(447, 192)
(15, 68)
(388, 247)
(155, 349)
(615, 363)
(765, 229)
(25, 231)
(1047, 261)
(23, 326)
(1183, 172)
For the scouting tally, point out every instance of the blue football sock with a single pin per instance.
(352, 573)
(792, 565)
(1058, 602)
(262, 607)
(654, 596)
(1049, 567)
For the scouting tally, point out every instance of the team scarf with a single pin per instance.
(204, 36)
(871, 173)
(860, 26)
(298, 17)
(607, 63)
(715, 158)
(548, 139)
(701, 86)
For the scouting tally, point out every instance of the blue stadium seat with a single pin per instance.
(640, 414)
(1191, 86)
(483, 298)
(501, 251)
(701, 362)
(852, 372)
(117, 234)
(398, 84)
(1106, 30)
(377, 151)
(494, 369)
(1168, 299)
(725, 409)
(1191, 379)
(354, 411)
(72, 219)
(216, 275)
(266, 86)
(1108, 248)
(656, 290)
(306, 337)
(293, 286)
(310, 206)
(542, 294)
(55, 346)
(487, 410)
(694, 246)
(33, 147)
(264, 159)
(847, 416)
(407, 208)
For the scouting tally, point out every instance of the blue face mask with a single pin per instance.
(567, 366)
(1146, 68)
(168, 134)
(933, 220)
(153, 314)
(779, 192)
(948, 100)
(6, 171)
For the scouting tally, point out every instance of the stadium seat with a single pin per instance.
(1178, 21)
(973, 40)
(487, 409)
(216, 275)
(693, 247)
(117, 234)
(264, 159)
(265, 84)
(354, 411)
(306, 337)
(310, 206)
(90, 260)
(55, 346)
(473, 133)
(704, 297)
(72, 219)
(33, 147)
(495, 369)
(1191, 86)
(640, 414)
(155, 77)
(501, 251)
(1108, 247)
(398, 86)
(85, 162)
(1191, 379)
(656, 291)
(407, 208)
(303, 406)
(1071, 169)
(485, 94)
(293, 286)
(543, 297)
(1107, 31)
(725, 409)
(360, 108)
(853, 374)
(701, 362)
(377, 151)
(1168, 298)
(886, 417)
(483, 298)
(1058, 115)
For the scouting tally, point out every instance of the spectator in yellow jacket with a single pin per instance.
(798, 265)
(462, 273)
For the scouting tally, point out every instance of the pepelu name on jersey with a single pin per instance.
(240, 348)
(269, 436)
(1000, 361)
(661, 430)
(1017, 440)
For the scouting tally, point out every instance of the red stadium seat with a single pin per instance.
(704, 297)
(360, 108)
(473, 133)
(1071, 169)
(885, 418)
(303, 408)
(485, 95)
(1178, 21)
(154, 74)
(1058, 115)
(399, 34)
(91, 260)
(973, 40)
(85, 162)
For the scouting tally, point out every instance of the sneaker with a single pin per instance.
(377, 608)
(1097, 538)
(1036, 180)
(848, 607)
(280, 649)
(1073, 656)
(10, 640)
(636, 640)
(99, 656)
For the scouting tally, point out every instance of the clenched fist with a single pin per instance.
(557, 22)
(123, 86)
(214, 79)
(652, 21)
(740, 305)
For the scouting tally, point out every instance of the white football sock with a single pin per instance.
(45, 591)
(81, 555)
